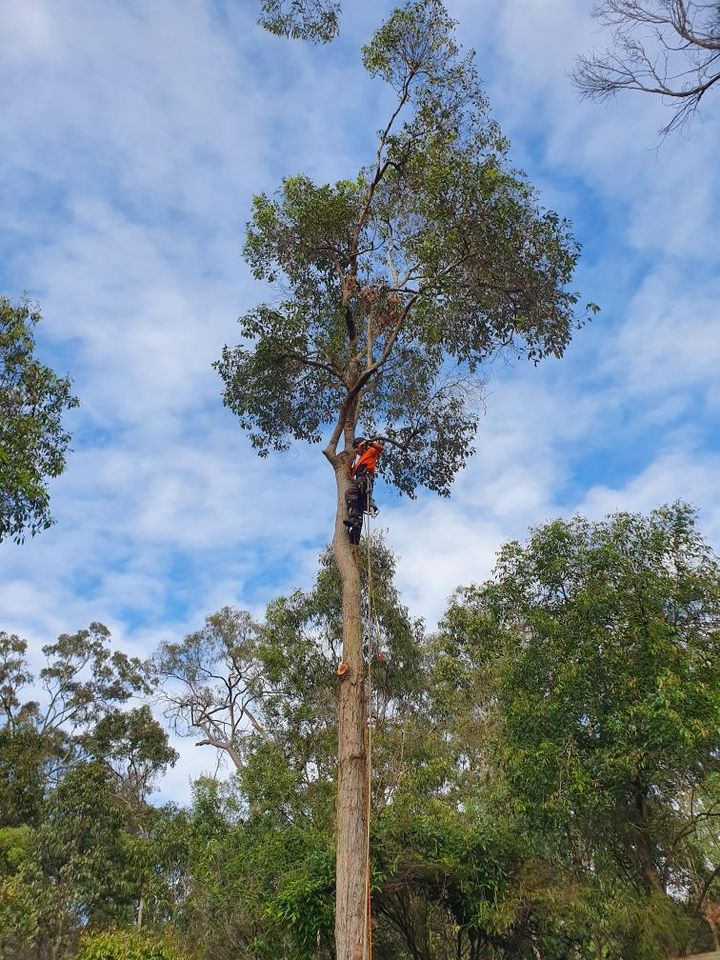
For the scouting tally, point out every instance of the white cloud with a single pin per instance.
(671, 339)
(675, 474)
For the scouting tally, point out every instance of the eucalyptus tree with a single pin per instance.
(75, 772)
(33, 440)
(392, 289)
(81, 681)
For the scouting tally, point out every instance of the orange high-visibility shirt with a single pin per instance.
(368, 458)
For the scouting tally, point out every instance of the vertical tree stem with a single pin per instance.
(352, 754)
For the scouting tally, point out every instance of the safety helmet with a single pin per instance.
(358, 441)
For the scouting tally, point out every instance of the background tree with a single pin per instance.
(666, 47)
(237, 680)
(82, 681)
(19, 913)
(590, 664)
(316, 20)
(397, 285)
(75, 772)
(33, 441)
(214, 683)
(133, 749)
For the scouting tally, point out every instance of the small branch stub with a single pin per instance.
(343, 670)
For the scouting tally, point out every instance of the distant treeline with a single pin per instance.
(545, 769)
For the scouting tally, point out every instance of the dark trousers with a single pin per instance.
(357, 496)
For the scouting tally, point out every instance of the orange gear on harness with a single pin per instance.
(368, 457)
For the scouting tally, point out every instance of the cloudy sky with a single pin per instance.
(133, 136)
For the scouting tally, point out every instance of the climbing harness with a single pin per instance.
(355, 518)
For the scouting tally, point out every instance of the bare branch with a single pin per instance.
(381, 164)
(679, 60)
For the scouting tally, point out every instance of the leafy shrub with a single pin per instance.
(129, 944)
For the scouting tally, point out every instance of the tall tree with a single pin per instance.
(667, 47)
(134, 751)
(33, 441)
(81, 683)
(393, 288)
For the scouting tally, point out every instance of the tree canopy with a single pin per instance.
(395, 285)
(589, 666)
(33, 441)
(76, 769)
(545, 772)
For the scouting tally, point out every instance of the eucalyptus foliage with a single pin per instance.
(33, 440)
(127, 945)
(392, 287)
(316, 20)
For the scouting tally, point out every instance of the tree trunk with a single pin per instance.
(352, 850)
(644, 845)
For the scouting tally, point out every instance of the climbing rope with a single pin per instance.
(372, 636)
(370, 623)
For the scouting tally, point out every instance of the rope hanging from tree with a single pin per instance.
(372, 649)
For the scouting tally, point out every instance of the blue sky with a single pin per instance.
(134, 135)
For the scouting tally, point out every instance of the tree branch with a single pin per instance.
(630, 66)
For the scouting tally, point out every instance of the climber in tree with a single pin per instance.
(358, 496)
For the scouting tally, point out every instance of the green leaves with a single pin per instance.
(302, 230)
(84, 677)
(414, 44)
(33, 441)
(603, 644)
(134, 748)
(396, 285)
(127, 944)
(315, 20)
